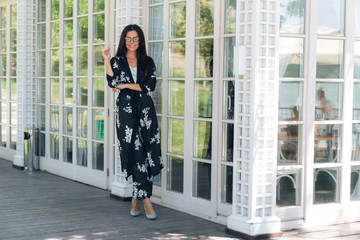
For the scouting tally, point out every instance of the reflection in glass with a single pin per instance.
(202, 139)
(289, 144)
(54, 90)
(176, 97)
(68, 90)
(4, 112)
(83, 30)
(226, 184)
(41, 36)
(41, 10)
(3, 17)
(155, 1)
(228, 100)
(68, 120)
(290, 101)
(98, 92)
(83, 61)
(177, 20)
(68, 8)
(13, 15)
(175, 174)
(228, 61)
(98, 156)
(227, 142)
(204, 17)
(68, 33)
(13, 39)
(156, 51)
(82, 122)
(355, 154)
(157, 96)
(99, 28)
(156, 23)
(202, 177)
(328, 103)
(291, 54)
(55, 30)
(40, 93)
(177, 59)
(13, 89)
(81, 147)
(55, 9)
(357, 58)
(68, 62)
(13, 116)
(41, 117)
(68, 149)
(357, 18)
(82, 7)
(356, 101)
(326, 184)
(355, 183)
(82, 91)
(13, 136)
(330, 58)
(55, 66)
(3, 89)
(98, 120)
(3, 135)
(42, 144)
(230, 16)
(54, 146)
(54, 118)
(204, 50)
(176, 136)
(13, 63)
(41, 66)
(327, 143)
(292, 16)
(99, 5)
(99, 69)
(203, 99)
(3, 41)
(288, 188)
(331, 17)
(3, 64)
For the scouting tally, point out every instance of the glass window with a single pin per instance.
(68, 154)
(98, 156)
(13, 15)
(327, 143)
(3, 89)
(55, 62)
(41, 66)
(177, 59)
(41, 36)
(82, 91)
(13, 136)
(228, 61)
(98, 92)
(3, 17)
(203, 99)
(202, 139)
(156, 51)
(41, 117)
(291, 57)
(175, 175)
(230, 16)
(290, 101)
(292, 16)
(177, 20)
(68, 33)
(157, 96)
(82, 122)
(357, 60)
(325, 185)
(13, 89)
(68, 120)
(98, 120)
(68, 91)
(4, 113)
(155, 1)
(41, 94)
(98, 69)
(3, 64)
(331, 17)
(3, 134)
(55, 9)
(68, 8)
(41, 10)
(54, 146)
(176, 136)
(202, 180)
(357, 18)
(3, 41)
(329, 58)
(289, 144)
(356, 101)
(82, 7)
(54, 118)
(204, 17)
(226, 183)
(13, 39)
(99, 28)
(68, 62)
(13, 63)
(82, 61)
(156, 23)
(355, 154)
(54, 90)
(99, 5)
(288, 188)
(83, 30)
(328, 102)
(55, 33)
(355, 183)
(81, 147)
(228, 100)
(228, 142)
(204, 51)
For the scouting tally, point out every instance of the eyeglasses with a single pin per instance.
(135, 39)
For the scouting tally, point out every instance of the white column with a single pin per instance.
(256, 109)
(127, 12)
(26, 37)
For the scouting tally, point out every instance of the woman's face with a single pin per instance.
(132, 41)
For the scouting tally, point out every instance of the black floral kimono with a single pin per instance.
(137, 127)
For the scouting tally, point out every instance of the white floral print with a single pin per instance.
(128, 132)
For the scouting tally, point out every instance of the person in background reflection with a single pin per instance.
(325, 106)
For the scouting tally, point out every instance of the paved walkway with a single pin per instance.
(47, 207)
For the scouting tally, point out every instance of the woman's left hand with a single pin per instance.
(121, 86)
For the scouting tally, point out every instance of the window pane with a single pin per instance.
(68, 62)
(68, 11)
(202, 139)
(13, 15)
(83, 30)
(82, 91)
(357, 59)
(13, 116)
(3, 41)
(328, 102)
(230, 16)
(54, 146)
(41, 66)
(331, 17)
(13, 135)
(327, 143)
(357, 18)
(292, 16)
(68, 120)
(3, 17)
(55, 9)
(228, 61)
(355, 183)
(98, 156)
(177, 59)
(4, 113)
(83, 7)
(202, 183)
(204, 17)
(356, 101)
(13, 63)
(203, 99)
(156, 23)
(99, 69)
(3, 89)
(55, 63)
(290, 101)
(54, 118)
(227, 142)
(81, 146)
(41, 88)
(155, 1)
(83, 61)
(355, 156)
(54, 90)
(42, 144)
(175, 174)
(55, 33)
(82, 117)
(291, 56)
(68, 91)
(176, 98)
(228, 100)
(99, 5)
(99, 28)
(204, 50)
(68, 154)
(326, 184)
(157, 96)
(289, 144)
(98, 92)
(226, 184)
(288, 188)
(329, 58)
(2, 134)
(3, 64)
(41, 36)
(176, 136)
(41, 10)
(13, 40)
(41, 117)
(98, 120)
(177, 20)
(156, 51)
(68, 33)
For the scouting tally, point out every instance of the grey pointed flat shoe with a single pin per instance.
(134, 214)
(151, 216)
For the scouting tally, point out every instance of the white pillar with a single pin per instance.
(256, 109)
(127, 12)
(26, 37)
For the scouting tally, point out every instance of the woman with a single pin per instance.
(132, 72)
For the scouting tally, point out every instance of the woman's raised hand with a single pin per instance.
(106, 54)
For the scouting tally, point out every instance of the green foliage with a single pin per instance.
(68, 12)
(205, 18)
(55, 9)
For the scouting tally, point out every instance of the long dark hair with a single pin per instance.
(147, 64)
